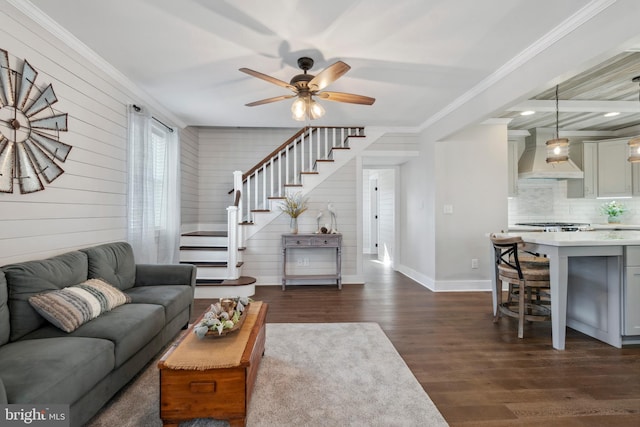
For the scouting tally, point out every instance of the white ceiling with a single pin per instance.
(416, 57)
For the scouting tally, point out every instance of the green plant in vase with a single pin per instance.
(294, 205)
(613, 210)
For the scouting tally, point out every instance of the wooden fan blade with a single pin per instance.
(329, 75)
(268, 100)
(268, 79)
(346, 97)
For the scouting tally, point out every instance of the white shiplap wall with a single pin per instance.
(223, 151)
(189, 148)
(87, 204)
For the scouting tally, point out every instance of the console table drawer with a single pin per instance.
(293, 241)
(329, 241)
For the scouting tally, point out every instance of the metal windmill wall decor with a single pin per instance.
(29, 130)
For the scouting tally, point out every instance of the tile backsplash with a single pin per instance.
(544, 200)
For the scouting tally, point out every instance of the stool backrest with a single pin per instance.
(506, 249)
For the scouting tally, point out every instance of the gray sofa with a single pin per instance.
(42, 364)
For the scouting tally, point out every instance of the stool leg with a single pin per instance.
(496, 317)
(521, 311)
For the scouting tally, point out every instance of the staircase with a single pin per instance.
(300, 164)
(209, 252)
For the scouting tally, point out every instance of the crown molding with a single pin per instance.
(565, 27)
(45, 21)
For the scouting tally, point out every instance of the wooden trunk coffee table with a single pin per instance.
(193, 386)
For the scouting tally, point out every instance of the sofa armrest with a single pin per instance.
(165, 274)
(3, 393)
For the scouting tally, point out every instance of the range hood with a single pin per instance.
(533, 162)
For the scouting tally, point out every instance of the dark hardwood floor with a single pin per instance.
(476, 372)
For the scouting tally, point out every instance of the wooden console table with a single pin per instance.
(312, 241)
(191, 388)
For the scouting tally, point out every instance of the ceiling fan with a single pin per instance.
(306, 86)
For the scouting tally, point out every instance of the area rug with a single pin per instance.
(312, 374)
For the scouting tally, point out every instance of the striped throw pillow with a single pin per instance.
(73, 306)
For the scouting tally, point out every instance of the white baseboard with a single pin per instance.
(446, 285)
(277, 281)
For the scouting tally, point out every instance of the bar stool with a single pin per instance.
(528, 277)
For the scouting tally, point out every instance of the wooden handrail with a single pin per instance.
(237, 201)
(274, 153)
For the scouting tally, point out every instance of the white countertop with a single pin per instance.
(519, 228)
(582, 238)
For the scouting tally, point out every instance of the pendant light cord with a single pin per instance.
(557, 114)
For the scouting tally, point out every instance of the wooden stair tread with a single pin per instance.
(309, 173)
(213, 264)
(241, 281)
(203, 248)
(207, 233)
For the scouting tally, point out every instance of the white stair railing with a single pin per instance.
(284, 166)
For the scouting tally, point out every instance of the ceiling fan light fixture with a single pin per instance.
(304, 108)
(315, 110)
(299, 109)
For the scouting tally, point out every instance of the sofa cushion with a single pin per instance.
(74, 306)
(33, 277)
(174, 298)
(5, 329)
(55, 370)
(130, 327)
(114, 263)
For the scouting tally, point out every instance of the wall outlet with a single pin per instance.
(305, 262)
(474, 263)
(447, 209)
(300, 261)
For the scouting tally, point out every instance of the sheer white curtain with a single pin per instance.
(154, 190)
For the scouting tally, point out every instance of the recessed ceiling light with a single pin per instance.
(612, 114)
(527, 113)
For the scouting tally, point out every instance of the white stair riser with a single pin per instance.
(202, 256)
(212, 273)
(203, 241)
(221, 291)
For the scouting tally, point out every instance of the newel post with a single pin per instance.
(232, 249)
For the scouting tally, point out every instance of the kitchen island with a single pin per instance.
(589, 289)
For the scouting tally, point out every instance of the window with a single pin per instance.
(153, 195)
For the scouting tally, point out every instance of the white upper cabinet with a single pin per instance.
(614, 171)
(585, 156)
(514, 155)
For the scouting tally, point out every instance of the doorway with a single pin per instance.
(378, 222)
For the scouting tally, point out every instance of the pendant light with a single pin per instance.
(634, 143)
(558, 148)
